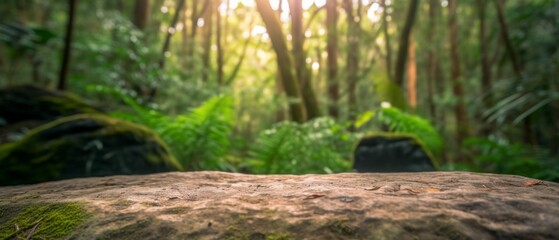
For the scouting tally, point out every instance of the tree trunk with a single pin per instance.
(529, 133)
(459, 109)
(432, 58)
(195, 15)
(387, 41)
(285, 65)
(486, 84)
(207, 40)
(516, 66)
(185, 43)
(62, 81)
(141, 14)
(332, 49)
(170, 33)
(239, 63)
(301, 70)
(352, 64)
(412, 76)
(218, 36)
(403, 45)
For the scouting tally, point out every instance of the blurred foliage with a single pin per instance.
(399, 121)
(498, 156)
(535, 94)
(199, 139)
(21, 39)
(318, 146)
(119, 58)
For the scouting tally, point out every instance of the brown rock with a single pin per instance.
(215, 205)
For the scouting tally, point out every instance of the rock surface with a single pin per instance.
(215, 205)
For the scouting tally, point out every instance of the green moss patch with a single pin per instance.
(41, 221)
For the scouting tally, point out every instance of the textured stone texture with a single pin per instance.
(214, 205)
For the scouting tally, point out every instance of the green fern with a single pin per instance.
(398, 121)
(503, 157)
(198, 139)
(318, 146)
(203, 135)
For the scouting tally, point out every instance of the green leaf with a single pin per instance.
(364, 118)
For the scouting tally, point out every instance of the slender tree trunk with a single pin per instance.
(332, 49)
(281, 114)
(529, 133)
(459, 109)
(185, 43)
(141, 14)
(218, 33)
(299, 56)
(486, 84)
(387, 41)
(516, 66)
(62, 81)
(239, 63)
(197, 12)
(207, 42)
(432, 58)
(403, 44)
(170, 33)
(352, 64)
(279, 43)
(412, 75)
(194, 15)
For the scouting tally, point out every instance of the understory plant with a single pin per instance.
(501, 156)
(318, 146)
(199, 138)
(399, 121)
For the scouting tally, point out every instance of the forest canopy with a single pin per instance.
(290, 86)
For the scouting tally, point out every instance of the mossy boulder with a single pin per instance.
(25, 107)
(392, 152)
(29, 103)
(84, 145)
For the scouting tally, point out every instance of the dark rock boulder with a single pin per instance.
(25, 107)
(391, 153)
(29, 103)
(83, 146)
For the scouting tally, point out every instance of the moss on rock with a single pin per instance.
(41, 221)
(83, 146)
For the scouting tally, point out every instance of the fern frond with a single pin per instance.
(318, 146)
(398, 121)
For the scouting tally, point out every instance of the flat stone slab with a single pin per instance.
(216, 205)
